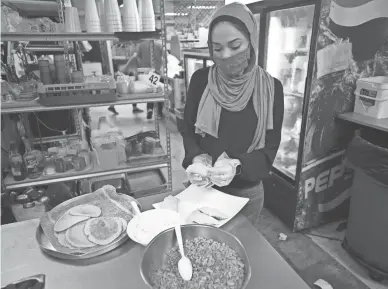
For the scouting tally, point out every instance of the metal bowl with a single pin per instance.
(157, 249)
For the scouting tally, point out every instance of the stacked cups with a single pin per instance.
(72, 22)
(147, 15)
(113, 16)
(131, 19)
(101, 12)
(92, 20)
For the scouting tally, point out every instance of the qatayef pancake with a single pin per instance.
(77, 238)
(103, 230)
(201, 218)
(85, 210)
(67, 221)
(170, 203)
(61, 236)
(212, 212)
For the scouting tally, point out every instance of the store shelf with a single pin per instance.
(379, 124)
(67, 36)
(133, 36)
(120, 57)
(10, 184)
(62, 36)
(32, 106)
(294, 94)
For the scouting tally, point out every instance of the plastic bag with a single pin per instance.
(372, 159)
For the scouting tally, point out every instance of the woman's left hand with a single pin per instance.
(223, 172)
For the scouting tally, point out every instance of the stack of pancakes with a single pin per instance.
(84, 227)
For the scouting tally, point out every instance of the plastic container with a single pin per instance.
(372, 97)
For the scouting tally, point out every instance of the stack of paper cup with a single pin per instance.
(92, 21)
(72, 22)
(147, 16)
(131, 19)
(113, 16)
(101, 13)
(140, 9)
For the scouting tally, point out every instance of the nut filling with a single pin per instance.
(215, 266)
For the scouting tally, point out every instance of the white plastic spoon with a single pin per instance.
(185, 267)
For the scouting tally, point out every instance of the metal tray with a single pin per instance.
(46, 246)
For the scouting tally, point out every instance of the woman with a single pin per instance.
(234, 107)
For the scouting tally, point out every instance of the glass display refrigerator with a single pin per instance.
(194, 59)
(302, 190)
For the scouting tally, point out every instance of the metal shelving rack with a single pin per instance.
(34, 106)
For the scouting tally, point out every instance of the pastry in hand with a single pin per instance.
(198, 168)
(212, 212)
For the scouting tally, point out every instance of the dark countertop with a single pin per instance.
(379, 124)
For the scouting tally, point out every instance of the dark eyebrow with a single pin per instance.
(234, 40)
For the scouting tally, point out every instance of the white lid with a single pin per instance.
(381, 81)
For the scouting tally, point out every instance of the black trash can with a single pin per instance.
(367, 231)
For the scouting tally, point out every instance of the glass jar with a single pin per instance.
(32, 159)
(68, 163)
(49, 168)
(59, 164)
(79, 163)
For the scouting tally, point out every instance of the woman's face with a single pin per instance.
(227, 40)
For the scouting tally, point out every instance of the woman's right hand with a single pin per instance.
(198, 171)
(199, 181)
(204, 159)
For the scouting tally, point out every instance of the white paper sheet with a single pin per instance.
(194, 198)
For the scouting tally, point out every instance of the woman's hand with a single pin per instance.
(204, 159)
(198, 171)
(224, 171)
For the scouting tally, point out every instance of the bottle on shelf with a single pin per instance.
(18, 168)
(32, 161)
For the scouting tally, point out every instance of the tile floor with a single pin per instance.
(131, 124)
